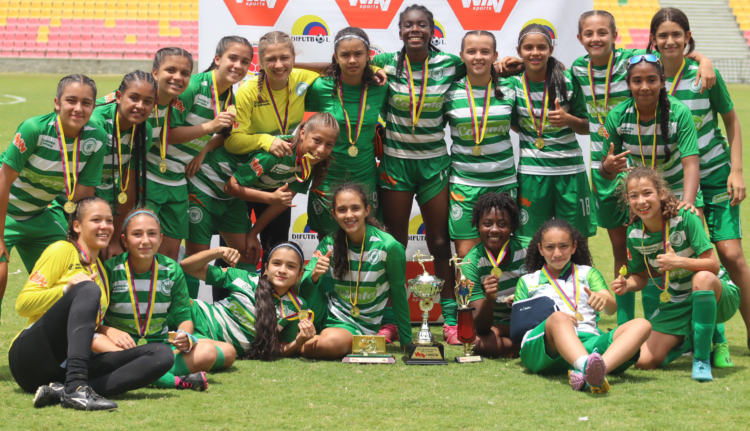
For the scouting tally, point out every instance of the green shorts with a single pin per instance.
(723, 220)
(209, 215)
(332, 322)
(423, 177)
(319, 206)
(610, 212)
(170, 203)
(676, 318)
(463, 199)
(535, 357)
(34, 235)
(542, 197)
(698, 197)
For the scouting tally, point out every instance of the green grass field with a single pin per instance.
(302, 394)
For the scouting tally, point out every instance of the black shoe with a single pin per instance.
(196, 381)
(84, 398)
(48, 395)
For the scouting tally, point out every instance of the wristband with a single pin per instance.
(192, 339)
(605, 171)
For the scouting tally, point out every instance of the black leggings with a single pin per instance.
(64, 333)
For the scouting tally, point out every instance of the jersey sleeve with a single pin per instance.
(459, 65)
(595, 280)
(316, 94)
(687, 137)
(699, 241)
(91, 175)
(307, 288)
(395, 269)
(224, 277)
(611, 136)
(380, 60)
(636, 263)
(719, 96)
(578, 101)
(39, 293)
(179, 309)
(240, 140)
(186, 100)
(471, 272)
(522, 291)
(23, 145)
(291, 329)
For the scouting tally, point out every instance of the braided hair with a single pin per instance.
(493, 73)
(534, 259)
(71, 79)
(265, 41)
(340, 248)
(664, 105)
(430, 46)
(498, 202)
(555, 69)
(73, 236)
(333, 70)
(673, 15)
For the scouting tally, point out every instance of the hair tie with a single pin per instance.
(535, 32)
(140, 212)
(351, 36)
(288, 244)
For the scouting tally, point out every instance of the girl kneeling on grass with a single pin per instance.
(369, 266)
(149, 295)
(261, 316)
(670, 244)
(559, 266)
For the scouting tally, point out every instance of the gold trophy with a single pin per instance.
(368, 349)
(466, 332)
(425, 350)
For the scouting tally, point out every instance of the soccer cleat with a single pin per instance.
(196, 381)
(84, 398)
(595, 371)
(702, 371)
(602, 389)
(450, 335)
(48, 395)
(390, 332)
(576, 380)
(720, 356)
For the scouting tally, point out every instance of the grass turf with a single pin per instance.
(302, 394)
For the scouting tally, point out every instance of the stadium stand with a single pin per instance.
(741, 10)
(88, 29)
(633, 18)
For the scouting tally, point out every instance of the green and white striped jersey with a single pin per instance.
(264, 171)
(174, 165)
(217, 168)
(111, 172)
(35, 155)
(688, 239)
(171, 301)
(427, 140)
(383, 275)
(232, 320)
(480, 268)
(561, 155)
(495, 166)
(712, 145)
(682, 141)
(537, 284)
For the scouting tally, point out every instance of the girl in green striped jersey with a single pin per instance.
(261, 317)
(125, 120)
(350, 296)
(669, 246)
(721, 182)
(149, 298)
(495, 265)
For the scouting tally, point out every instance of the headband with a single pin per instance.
(535, 32)
(351, 36)
(288, 244)
(140, 212)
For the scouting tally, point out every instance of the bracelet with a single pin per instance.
(605, 171)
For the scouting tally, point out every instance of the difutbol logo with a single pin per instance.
(439, 38)
(310, 28)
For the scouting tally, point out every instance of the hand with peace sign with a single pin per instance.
(614, 164)
(321, 267)
(668, 261)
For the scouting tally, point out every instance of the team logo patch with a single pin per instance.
(317, 254)
(698, 122)
(374, 257)
(88, 147)
(696, 88)
(721, 197)
(196, 215)
(19, 142)
(301, 88)
(256, 167)
(523, 216)
(318, 207)
(165, 287)
(120, 286)
(676, 239)
(178, 106)
(38, 278)
(456, 211)
(390, 70)
(436, 74)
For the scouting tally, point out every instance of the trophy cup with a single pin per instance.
(425, 350)
(368, 349)
(466, 333)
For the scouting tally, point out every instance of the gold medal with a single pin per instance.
(122, 197)
(353, 151)
(579, 317)
(232, 110)
(602, 131)
(163, 167)
(665, 296)
(476, 150)
(354, 312)
(303, 314)
(497, 272)
(539, 143)
(69, 207)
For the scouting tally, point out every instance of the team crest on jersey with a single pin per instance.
(256, 167)
(318, 207)
(196, 215)
(698, 122)
(88, 147)
(165, 287)
(38, 278)
(696, 88)
(19, 142)
(436, 74)
(301, 88)
(620, 67)
(390, 70)
(456, 211)
(523, 216)
(374, 258)
(676, 239)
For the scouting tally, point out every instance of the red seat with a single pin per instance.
(97, 37)
(108, 46)
(76, 36)
(65, 37)
(109, 37)
(53, 36)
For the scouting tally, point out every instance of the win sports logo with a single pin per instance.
(256, 12)
(374, 14)
(482, 14)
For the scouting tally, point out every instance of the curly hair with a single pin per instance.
(77, 216)
(499, 202)
(333, 70)
(340, 248)
(534, 259)
(668, 201)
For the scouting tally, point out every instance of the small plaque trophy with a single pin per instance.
(465, 331)
(369, 349)
(425, 350)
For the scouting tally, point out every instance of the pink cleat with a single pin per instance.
(450, 335)
(390, 332)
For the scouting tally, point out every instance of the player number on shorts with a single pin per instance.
(585, 206)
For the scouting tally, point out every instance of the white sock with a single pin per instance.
(578, 364)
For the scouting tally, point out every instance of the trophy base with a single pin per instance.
(468, 359)
(370, 359)
(432, 354)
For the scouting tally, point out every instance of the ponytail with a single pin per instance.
(555, 69)
(664, 107)
(267, 343)
(340, 247)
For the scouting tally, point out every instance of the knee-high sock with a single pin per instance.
(166, 381)
(625, 307)
(180, 368)
(704, 322)
(449, 307)
(719, 336)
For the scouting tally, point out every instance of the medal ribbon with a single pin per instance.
(503, 252)
(70, 183)
(361, 253)
(607, 84)
(119, 151)
(576, 291)
(215, 97)
(479, 132)
(416, 108)
(527, 94)
(164, 132)
(140, 327)
(360, 116)
(665, 238)
(677, 78)
(279, 123)
(304, 163)
(638, 126)
(295, 301)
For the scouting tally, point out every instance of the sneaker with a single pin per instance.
(390, 332)
(602, 389)
(84, 398)
(702, 371)
(720, 356)
(576, 380)
(48, 395)
(595, 372)
(450, 335)
(196, 381)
